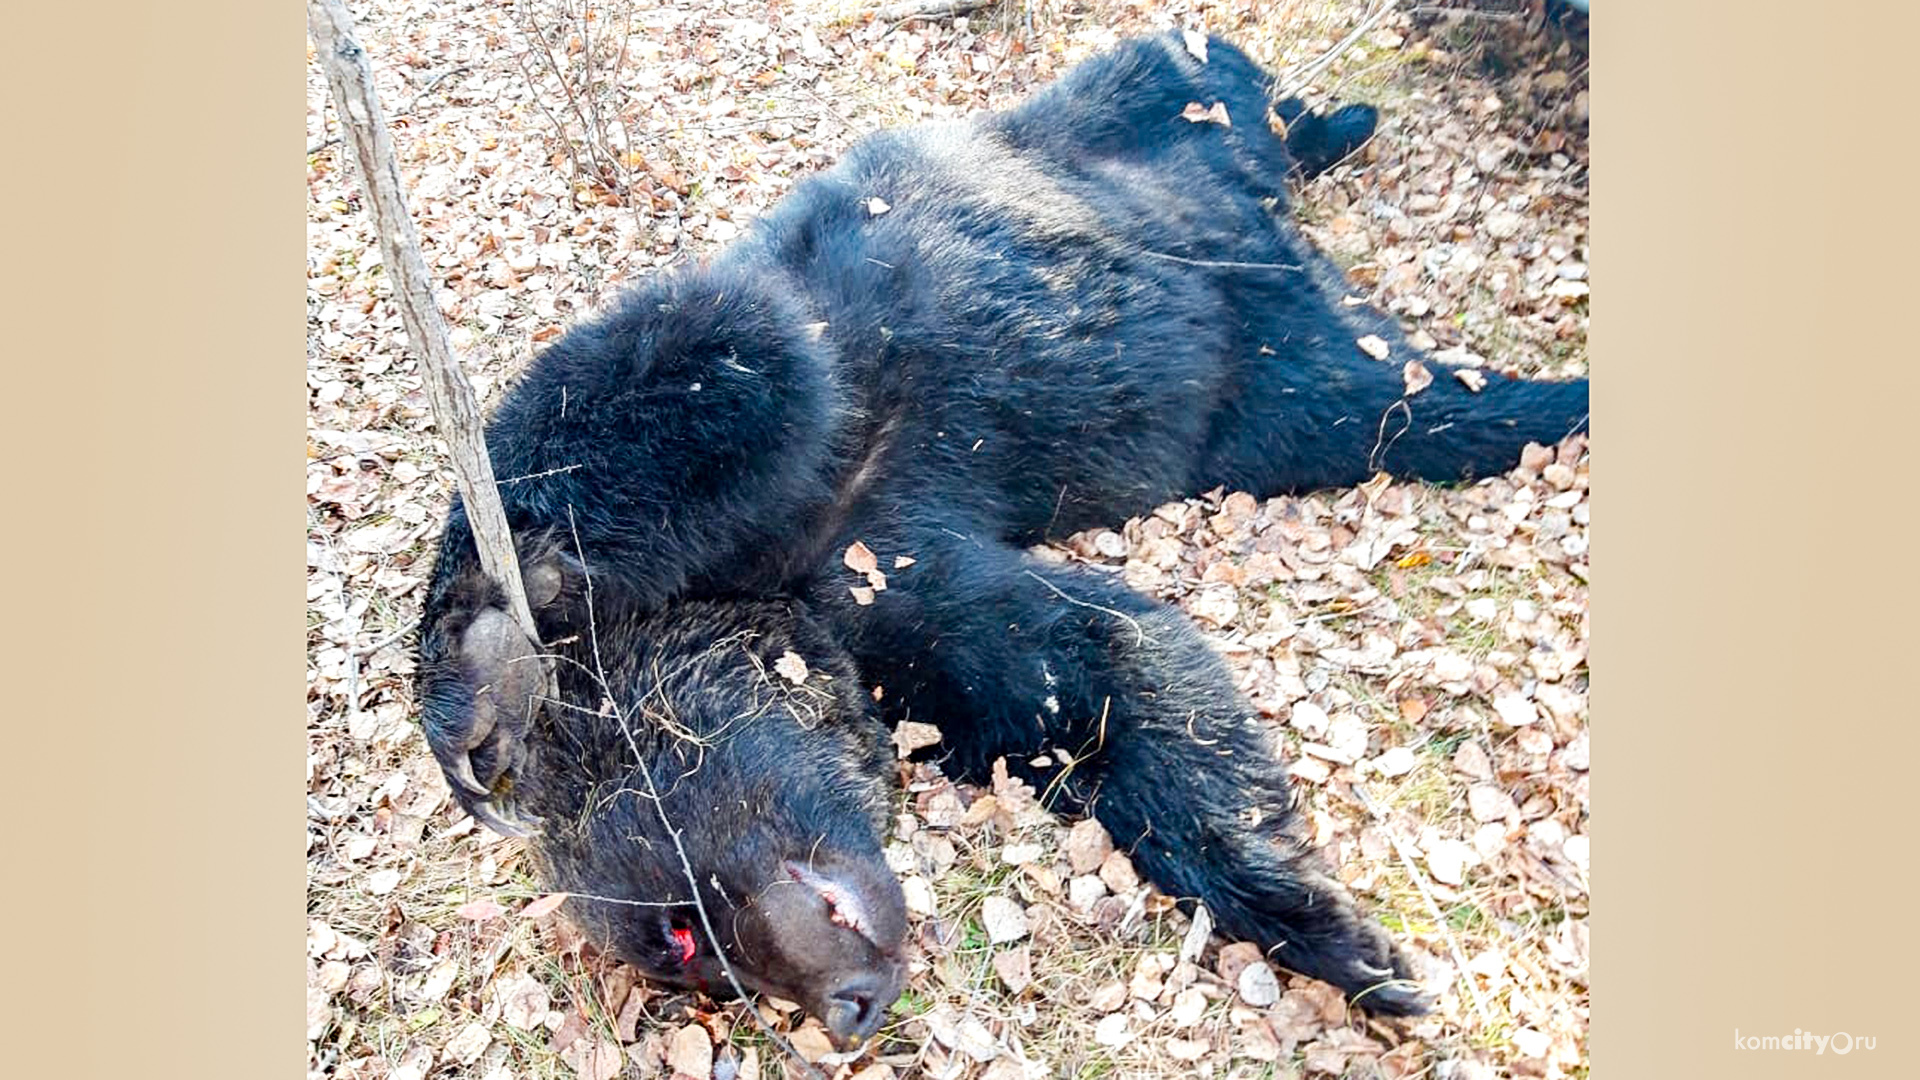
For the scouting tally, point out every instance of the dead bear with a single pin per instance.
(962, 340)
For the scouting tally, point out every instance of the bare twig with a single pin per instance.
(1138, 630)
(403, 110)
(1218, 263)
(928, 9)
(1433, 906)
(1298, 80)
(603, 157)
(660, 809)
(559, 129)
(455, 412)
(1469, 13)
(1381, 443)
(369, 650)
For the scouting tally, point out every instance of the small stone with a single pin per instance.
(1005, 920)
(1257, 985)
(1398, 761)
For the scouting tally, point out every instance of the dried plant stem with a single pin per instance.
(1298, 81)
(1139, 631)
(660, 808)
(928, 9)
(1433, 906)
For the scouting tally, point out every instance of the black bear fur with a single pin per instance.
(962, 340)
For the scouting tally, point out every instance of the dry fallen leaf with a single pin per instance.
(1197, 113)
(524, 1003)
(860, 558)
(1448, 860)
(1088, 845)
(1471, 379)
(472, 1041)
(1398, 761)
(1531, 1043)
(972, 1038)
(544, 906)
(877, 206)
(911, 735)
(1415, 376)
(1112, 1031)
(791, 667)
(691, 1052)
(1118, 873)
(1015, 968)
(1196, 44)
(1472, 761)
(1195, 941)
(810, 1039)
(1489, 803)
(861, 594)
(1188, 1050)
(480, 910)
(1375, 346)
(1515, 710)
(918, 893)
(440, 980)
(1189, 1006)
(1234, 958)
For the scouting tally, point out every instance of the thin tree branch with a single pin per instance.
(928, 9)
(660, 808)
(1297, 81)
(1433, 906)
(455, 412)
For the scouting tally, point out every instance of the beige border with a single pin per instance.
(1755, 748)
(153, 601)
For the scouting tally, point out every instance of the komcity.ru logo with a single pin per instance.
(1841, 1043)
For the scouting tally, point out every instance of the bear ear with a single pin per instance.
(543, 581)
(552, 573)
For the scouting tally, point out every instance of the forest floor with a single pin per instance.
(1423, 651)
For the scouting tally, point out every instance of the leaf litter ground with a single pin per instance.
(1421, 652)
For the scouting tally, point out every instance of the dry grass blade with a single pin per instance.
(1433, 906)
(1298, 79)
